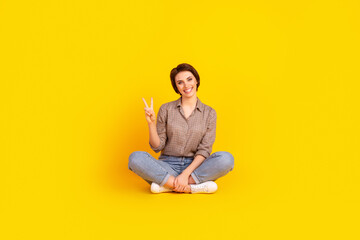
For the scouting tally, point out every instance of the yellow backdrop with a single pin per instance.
(283, 77)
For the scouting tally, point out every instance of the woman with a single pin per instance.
(184, 133)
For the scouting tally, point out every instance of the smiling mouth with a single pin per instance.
(188, 90)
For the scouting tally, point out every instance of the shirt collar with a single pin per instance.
(199, 105)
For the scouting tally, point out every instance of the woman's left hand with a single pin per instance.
(180, 183)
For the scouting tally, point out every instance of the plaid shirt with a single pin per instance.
(185, 137)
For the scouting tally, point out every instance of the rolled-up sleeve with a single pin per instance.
(161, 128)
(205, 146)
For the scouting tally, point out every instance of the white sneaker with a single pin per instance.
(206, 187)
(156, 188)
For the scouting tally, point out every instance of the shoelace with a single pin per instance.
(199, 187)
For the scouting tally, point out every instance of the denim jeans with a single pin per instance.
(151, 170)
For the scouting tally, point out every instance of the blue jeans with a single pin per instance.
(159, 171)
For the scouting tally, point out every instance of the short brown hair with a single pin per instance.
(180, 68)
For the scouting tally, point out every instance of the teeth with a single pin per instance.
(189, 90)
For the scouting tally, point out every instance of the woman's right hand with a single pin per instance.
(149, 112)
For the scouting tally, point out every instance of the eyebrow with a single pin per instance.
(186, 78)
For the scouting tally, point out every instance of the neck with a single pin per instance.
(189, 101)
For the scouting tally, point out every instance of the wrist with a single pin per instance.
(151, 124)
(186, 173)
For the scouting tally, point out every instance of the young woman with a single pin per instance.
(184, 132)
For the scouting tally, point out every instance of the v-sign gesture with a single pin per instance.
(149, 112)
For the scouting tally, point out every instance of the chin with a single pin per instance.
(189, 96)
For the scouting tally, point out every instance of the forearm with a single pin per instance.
(153, 135)
(195, 163)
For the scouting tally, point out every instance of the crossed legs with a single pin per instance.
(152, 170)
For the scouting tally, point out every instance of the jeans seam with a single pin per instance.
(166, 178)
(195, 177)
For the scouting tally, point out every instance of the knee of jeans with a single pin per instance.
(134, 159)
(227, 160)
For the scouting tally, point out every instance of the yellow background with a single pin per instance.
(283, 77)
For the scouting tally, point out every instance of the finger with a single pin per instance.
(145, 103)
(148, 110)
(152, 103)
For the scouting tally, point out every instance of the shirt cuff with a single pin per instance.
(203, 153)
(158, 149)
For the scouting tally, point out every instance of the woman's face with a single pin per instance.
(186, 83)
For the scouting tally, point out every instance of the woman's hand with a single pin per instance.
(149, 112)
(181, 182)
